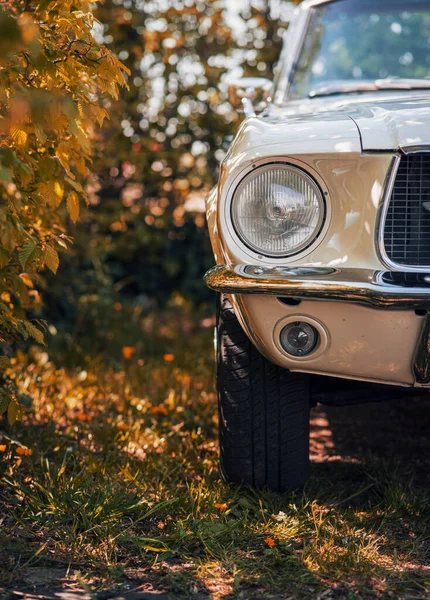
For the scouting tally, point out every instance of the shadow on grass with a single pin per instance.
(122, 491)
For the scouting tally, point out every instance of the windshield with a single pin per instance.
(360, 41)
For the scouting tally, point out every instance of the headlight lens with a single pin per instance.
(278, 210)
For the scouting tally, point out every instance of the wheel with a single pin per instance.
(263, 412)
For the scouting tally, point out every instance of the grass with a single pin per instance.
(110, 482)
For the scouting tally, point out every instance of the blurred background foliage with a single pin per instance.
(144, 234)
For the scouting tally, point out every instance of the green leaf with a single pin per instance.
(4, 362)
(34, 332)
(28, 252)
(51, 259)
(4, 401)
(12, 412)
(4, 308)
(40, 134)
(25, 173)
(6, 174)
(22, 330)
(75, 184)
(4, 258)
(47, 168)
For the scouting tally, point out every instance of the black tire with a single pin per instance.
(263, 412)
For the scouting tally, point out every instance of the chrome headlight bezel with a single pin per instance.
(320, 193)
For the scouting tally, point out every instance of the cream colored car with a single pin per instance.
(320, 227)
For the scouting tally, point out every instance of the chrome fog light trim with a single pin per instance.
(314, 350)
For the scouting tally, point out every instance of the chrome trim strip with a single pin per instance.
(312, 3)
(281, 90)
(383, 212)
(294, 61)
(359, 286)
(382, 217)
(414, 149)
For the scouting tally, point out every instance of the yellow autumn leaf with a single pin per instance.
(18, 135)
(153, 549)
(73, 206)
(81, 166)
(83, 139)
(99, 113)
(26, 279)
(63, 156)
(51, 258)
(29, 28)
(51, 192)
(40, 134)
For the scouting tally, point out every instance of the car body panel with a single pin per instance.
(393, 124)
(321, 133)
(385, 121)
(363, 343)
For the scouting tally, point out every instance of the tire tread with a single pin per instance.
(263, 412)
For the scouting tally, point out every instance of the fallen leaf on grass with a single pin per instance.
(24, 451)
(128, 352)
(159, 410)
(153, 549)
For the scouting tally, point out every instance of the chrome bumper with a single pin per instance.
(378, 289)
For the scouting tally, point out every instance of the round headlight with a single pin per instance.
(278, 210)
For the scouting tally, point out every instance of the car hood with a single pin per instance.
(385, 121)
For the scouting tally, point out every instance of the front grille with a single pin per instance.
(407, 225)
(406, 280)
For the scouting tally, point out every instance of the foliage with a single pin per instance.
(111, 482)
(159, 155)
(52, 72)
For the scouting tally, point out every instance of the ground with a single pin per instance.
(110, 486)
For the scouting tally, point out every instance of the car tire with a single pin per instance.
(263, 412)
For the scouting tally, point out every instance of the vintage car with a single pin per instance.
(320, 228)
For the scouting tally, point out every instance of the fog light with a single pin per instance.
(299, 338)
